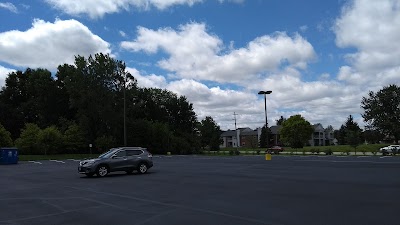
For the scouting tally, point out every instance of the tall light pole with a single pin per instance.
(125, 110)
(265, 93)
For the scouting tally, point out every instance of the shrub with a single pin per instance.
(5, 137)
(328, 151)
(258, 152)
(74, 139)
(347, 151)
(27, 143)
(237, 152)
(364, 152)
(317, 151)
(50, 140)
(374, 152)
(231, 152)
(304, 152)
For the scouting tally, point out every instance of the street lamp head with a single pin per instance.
(264, 92)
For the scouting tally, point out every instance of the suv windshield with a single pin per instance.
(108, 154)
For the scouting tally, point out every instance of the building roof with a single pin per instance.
(229, 133)
(249, 133)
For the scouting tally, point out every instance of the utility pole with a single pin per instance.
(237, 138)
(234, 116)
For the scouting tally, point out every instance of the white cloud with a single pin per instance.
(196, 54)
(3, 75)
(325, 76)
(153, 81)
(372, 27)
(274, 62)
(49, 44)
(326, 102)
(219, 103)
(123, 34)
(304, 28)
(98, 8)
(25, 6)
(234, 1)
(9, 6)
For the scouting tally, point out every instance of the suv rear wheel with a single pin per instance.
(142, 168)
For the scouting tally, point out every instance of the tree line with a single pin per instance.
(88, 102)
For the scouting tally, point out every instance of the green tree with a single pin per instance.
(382, 111)
(372, 135)
(50, 140)
(280, 121)
(296, 131)
(74, 139)
(353, 139)
(347, 132)
(340, 135)
(210, 134)
(30, 97)
(263, 137)
(104, 143)
(96, 88)
(27, 143)
(5, 137)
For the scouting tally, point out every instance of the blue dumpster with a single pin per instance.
(9, 156)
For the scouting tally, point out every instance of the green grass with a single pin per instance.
(55, 157)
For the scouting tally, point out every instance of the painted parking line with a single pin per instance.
(35, 162)
(364, 156)
(382, 157)
(347, 161)
(56, 161)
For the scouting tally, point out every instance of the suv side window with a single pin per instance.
(121, 154)
(134, 152)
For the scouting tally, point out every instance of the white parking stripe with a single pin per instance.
(35, 162)
(56, 161)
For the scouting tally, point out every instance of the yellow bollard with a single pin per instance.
(268, 157)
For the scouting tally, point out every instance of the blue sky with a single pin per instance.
(318, 57)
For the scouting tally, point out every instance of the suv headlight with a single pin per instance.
(87, 163)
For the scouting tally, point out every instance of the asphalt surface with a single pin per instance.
(207, 190)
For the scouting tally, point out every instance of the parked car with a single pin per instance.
(275, 149)
(391, 149)
(126, 159)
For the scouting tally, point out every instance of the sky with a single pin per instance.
(319, 58)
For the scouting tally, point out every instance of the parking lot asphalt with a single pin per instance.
(207, 190)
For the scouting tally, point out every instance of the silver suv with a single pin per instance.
(126, 159)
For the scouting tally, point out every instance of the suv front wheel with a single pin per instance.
(102, 171)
